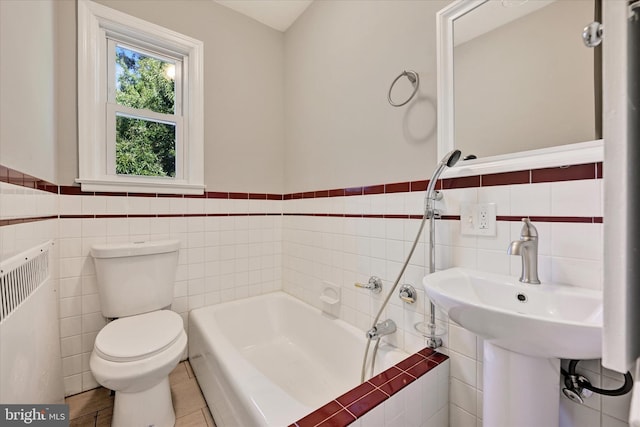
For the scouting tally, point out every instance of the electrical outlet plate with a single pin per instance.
(478, 219)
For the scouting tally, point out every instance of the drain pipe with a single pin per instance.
(576, 384)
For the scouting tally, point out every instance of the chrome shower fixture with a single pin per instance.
(449, 160)
(429, 331)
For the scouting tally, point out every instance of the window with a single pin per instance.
(139, 105)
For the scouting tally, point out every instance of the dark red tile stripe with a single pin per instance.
(463, 182)
(565, 219)
(398, 187)
(181, 215)
(419, 185)
(398, 383)
(144, 195)
(356, 393)
(374, 189)
(353, 191)
(217, 195)
(358, 401)
(385, 376)
(339, 419)
(585, 171)
(73, 191)
(564, 173)
(570, 219)
(320, 414)
(421, 368)
(507, 178)
(13, 221)
(367, 403)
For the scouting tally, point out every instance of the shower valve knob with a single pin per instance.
(408, 294)
(374, 285)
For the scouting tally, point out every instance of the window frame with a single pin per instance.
(97, 26)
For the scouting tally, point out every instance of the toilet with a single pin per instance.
(134, 353)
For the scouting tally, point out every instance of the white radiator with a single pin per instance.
(30, 362)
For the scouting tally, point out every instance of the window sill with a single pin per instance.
(140, 185)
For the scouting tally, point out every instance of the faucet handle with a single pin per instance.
(529, 231)
(374, 285)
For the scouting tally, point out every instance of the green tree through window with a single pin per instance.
(144, 146)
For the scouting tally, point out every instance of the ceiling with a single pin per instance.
(278, 14)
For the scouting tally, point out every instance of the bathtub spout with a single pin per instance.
(383, 328)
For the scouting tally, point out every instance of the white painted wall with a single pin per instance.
(27, 79)
(243, 91)
(340, 59)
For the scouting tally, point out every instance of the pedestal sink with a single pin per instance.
(526, 329)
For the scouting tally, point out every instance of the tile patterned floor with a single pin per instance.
(94, 408)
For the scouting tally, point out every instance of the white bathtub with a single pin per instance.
(270, 360)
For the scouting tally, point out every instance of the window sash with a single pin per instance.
(113, 108)
(110, 147)
(96, 25)
(176, 59)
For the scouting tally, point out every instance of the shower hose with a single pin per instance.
(393, 288)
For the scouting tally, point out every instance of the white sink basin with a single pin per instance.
(547, 320)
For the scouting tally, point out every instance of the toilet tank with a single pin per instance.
(135, 278)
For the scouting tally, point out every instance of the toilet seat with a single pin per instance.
(138, 337)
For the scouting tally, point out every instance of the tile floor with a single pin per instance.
(94, 408)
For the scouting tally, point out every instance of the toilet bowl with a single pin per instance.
(135, 353)
(134, 356)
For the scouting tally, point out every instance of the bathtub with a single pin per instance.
(270, 360)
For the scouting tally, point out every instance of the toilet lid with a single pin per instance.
(137, 337)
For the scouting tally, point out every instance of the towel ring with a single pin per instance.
(415, 81)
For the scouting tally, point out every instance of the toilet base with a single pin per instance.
(151, 407)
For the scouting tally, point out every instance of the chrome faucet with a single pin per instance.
(383, 328)
(527, 248)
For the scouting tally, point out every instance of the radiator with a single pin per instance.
(30, 362)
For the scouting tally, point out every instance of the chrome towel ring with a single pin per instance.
(415, 81)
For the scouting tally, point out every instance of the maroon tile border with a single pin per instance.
(12, 176)
(398, 187)
(463, 182)
(556, 174)
(4, 222)
(528, 176)
(358, 401)
(506, 178)
(571, 219)
(568, 173)
(374, 189)
(564, 173)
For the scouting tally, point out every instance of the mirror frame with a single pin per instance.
(569, 154)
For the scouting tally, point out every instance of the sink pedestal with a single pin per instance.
(519, 390)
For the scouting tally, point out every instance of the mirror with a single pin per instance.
(514, 76)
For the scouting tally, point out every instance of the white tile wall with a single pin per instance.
(229, 257)
(569, 253)
(251, 267)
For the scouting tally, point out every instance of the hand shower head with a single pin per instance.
(452, 158)
(449, 160)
